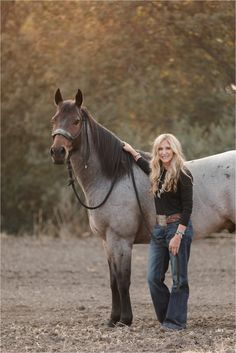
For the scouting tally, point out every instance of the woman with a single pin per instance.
(172, 187)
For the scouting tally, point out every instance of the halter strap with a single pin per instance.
(72, 138)
(64, 133)
(67, 134)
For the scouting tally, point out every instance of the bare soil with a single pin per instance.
(55, 297)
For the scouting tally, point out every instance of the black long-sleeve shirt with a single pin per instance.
(171, 202)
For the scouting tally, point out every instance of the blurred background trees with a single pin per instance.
(144, 68)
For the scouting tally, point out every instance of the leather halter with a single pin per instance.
(67, 134)
(73, 138)
(71, 181)
(64, 133)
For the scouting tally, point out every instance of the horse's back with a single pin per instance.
(214, 190)
(216, 170)
(221, 158)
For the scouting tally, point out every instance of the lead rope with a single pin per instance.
(137, 197)
(88, 146)
(177, 270)
(72, 183)
(71, 180)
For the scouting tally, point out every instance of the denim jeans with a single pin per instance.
(170, 307)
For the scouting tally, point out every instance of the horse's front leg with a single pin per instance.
(119, 258)
(115, 310)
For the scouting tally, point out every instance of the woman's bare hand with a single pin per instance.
(127, 147)
(175, 244)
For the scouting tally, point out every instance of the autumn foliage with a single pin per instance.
(144, 67)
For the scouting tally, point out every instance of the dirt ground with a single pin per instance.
(55, 297)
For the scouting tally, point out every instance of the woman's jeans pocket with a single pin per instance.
(158, 232)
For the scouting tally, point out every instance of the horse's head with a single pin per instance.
(67, 124)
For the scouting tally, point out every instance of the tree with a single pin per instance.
(144, 68)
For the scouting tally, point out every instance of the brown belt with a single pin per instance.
(163, 220)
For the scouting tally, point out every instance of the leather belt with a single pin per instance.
(163, 220)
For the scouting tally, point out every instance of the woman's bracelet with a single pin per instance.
(178, 232)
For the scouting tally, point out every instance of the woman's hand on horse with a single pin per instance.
(128, 148)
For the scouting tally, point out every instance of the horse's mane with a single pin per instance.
(109, 149)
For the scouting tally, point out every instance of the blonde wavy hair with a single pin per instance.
(176, 165)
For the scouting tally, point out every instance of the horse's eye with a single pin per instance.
(76, 122)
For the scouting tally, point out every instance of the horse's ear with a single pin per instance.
(79, 98)
(58, 97)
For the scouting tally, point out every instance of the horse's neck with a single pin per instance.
(88, 173)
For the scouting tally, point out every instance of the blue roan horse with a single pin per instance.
(98, 162)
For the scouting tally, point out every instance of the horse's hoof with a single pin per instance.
(124, 323)
(111, 323)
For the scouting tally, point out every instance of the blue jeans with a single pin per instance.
(170, 307)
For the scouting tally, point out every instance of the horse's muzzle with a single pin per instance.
(58, 155)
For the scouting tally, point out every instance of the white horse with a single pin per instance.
(103, 168)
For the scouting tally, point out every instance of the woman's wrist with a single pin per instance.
(128, 148)
(179, 233)
(136, 155)
(181, 228)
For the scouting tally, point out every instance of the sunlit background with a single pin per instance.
(144, 68)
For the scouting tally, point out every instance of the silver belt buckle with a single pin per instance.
(161, 220)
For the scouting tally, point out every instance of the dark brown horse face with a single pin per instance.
(66, 127)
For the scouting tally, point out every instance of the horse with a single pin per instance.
(106, 174)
